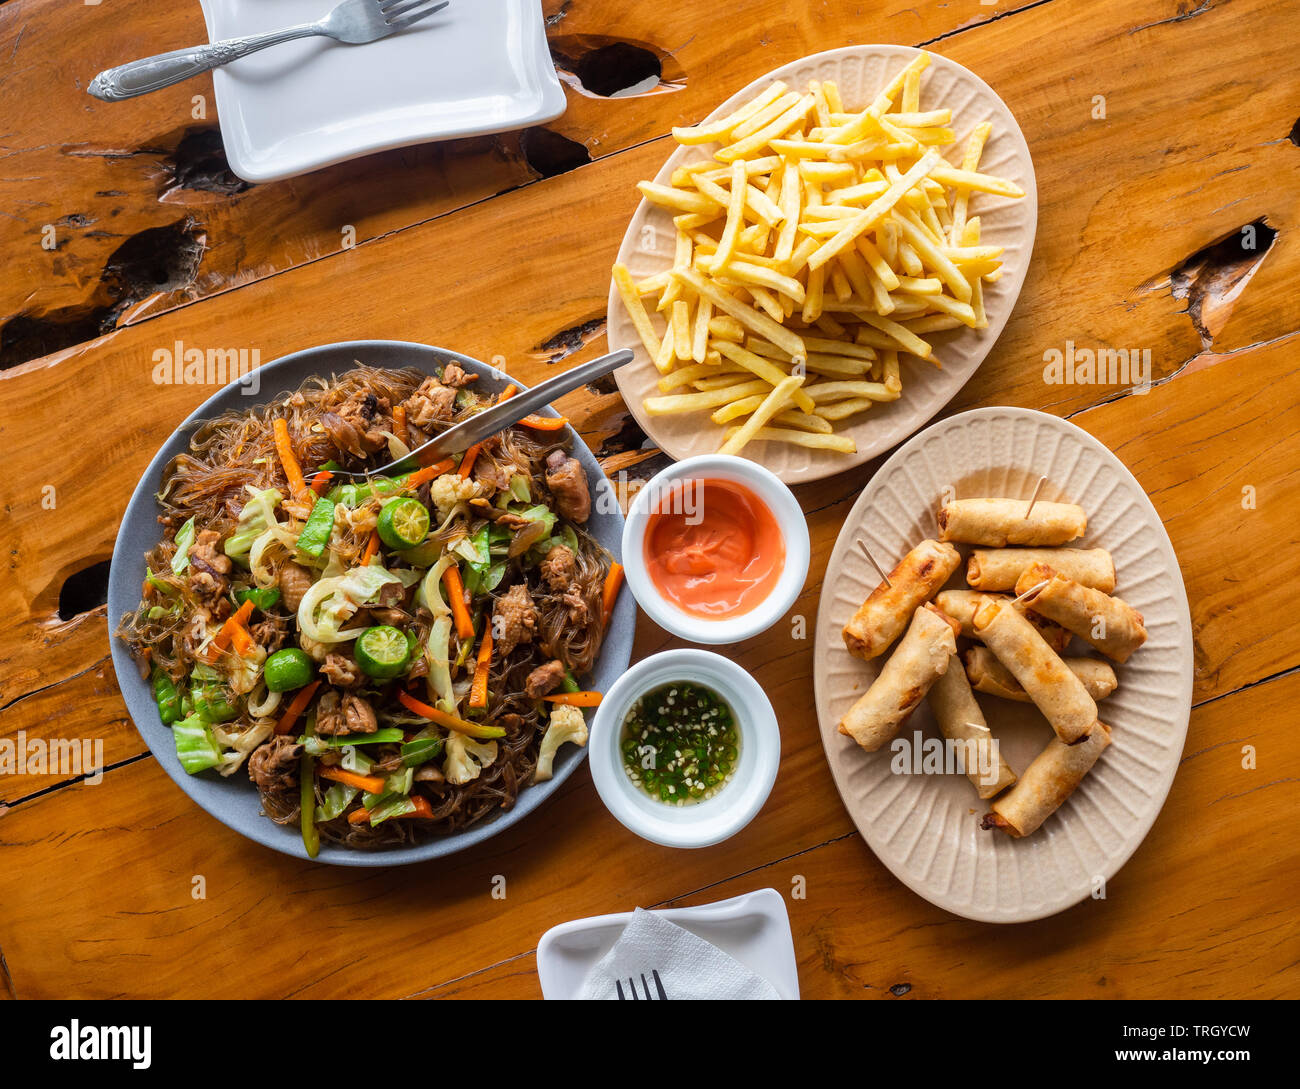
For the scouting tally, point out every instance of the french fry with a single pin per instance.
(692, 402)
(842, 410)
(839, 391)
(682, 329)
(681, 200)
(725, 327)
(764, 369)
(841, 443)
(780, 396)
(707, 134)
(803, 421)
(735, 218)
(684, 376)
(632, 304)
(700, 336)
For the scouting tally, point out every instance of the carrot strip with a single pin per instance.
(284, 447)
(423, 811)
(233, 629)
(507, 393)
(319, 481)
(420, 476)
(609, 593)
(372, 784)
(424, 710)
(372, 546)
(459, 610)
(467, 462)
(544, 423)
(478, 691)
(575, 699)
(399, 423)
(296, 708)
(241, 640)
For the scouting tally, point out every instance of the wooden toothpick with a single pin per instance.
(874, 564)
(1031, 590)
(1034, 498)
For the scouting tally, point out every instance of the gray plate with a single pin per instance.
(234, 801)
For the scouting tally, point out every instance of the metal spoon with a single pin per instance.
(498, 417)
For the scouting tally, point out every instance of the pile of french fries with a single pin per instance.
(815, 251)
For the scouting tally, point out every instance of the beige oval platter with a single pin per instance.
(925, 827)
(859, 71)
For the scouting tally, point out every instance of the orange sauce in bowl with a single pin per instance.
(713, 548)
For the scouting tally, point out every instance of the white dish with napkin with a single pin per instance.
(752, 954)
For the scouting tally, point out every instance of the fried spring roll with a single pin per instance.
(883, 616)
(999, 568)
(1046, 783)
(920, 658)
(996, 523)
(961, 606)
(1057, 692)
(960, 719)
(987, 674)
(1113, 626)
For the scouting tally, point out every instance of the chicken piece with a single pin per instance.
(491, 475)
(346, 714)
(209, 569)
(577, 605)
(567, 480)
(454, 376)
(204, 554)
(544, 680)
(341, 670)
(559, 567)
(358, 426)
(360, 716)
(274, 766)
(431, 403)
(295, 581)
(515, 617)
(268, 634)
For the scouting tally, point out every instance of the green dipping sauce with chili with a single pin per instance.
(680, 743)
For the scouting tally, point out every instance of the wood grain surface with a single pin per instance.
(1166, 141)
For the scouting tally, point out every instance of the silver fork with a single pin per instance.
(353, 21)
(645, 988)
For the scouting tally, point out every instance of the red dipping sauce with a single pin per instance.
(713, 548)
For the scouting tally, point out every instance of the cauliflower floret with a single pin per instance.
(567, 724)
(464, 758)
(449, 489)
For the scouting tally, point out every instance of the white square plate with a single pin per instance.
(476, 67)
(754, 929)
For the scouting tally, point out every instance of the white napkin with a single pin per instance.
(689, 967)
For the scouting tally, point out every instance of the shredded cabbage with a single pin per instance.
(257, 517)
(331, 601)
(196, 745)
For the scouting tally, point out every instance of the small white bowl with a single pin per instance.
(789, 518)
(706, 822)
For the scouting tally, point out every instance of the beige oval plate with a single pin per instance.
(925, 827)
(859, 71)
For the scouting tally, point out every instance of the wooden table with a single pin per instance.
(1160, 131)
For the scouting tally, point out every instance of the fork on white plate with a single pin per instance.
(353, 21)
